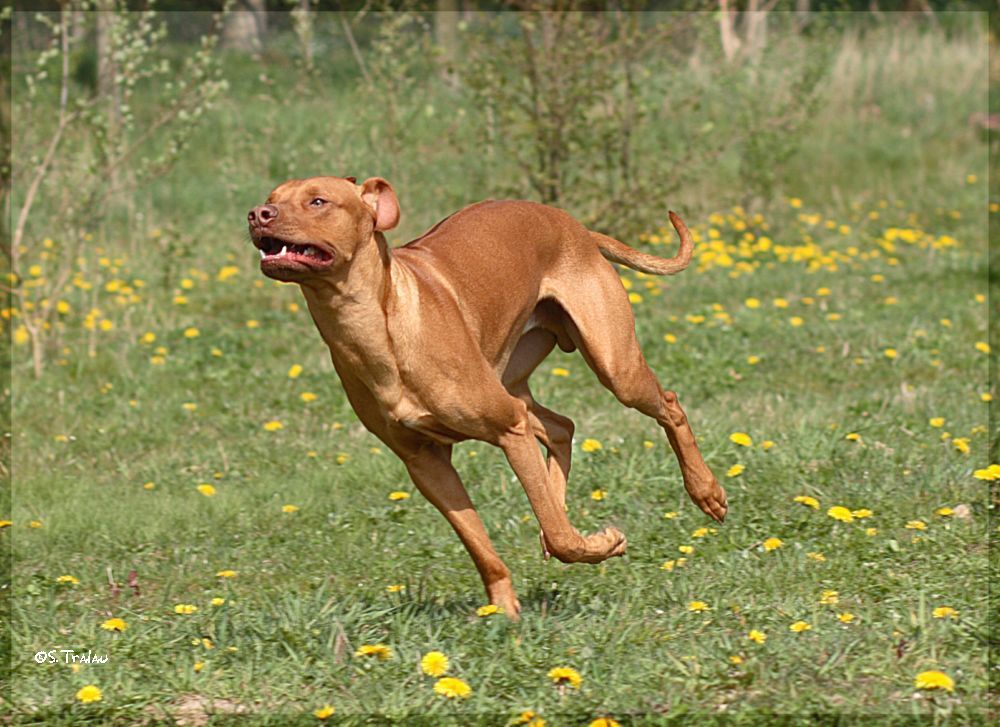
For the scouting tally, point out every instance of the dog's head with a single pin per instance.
(311, 227)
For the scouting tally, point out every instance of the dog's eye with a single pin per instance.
(318, 202)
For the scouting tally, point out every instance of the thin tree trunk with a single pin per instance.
(244, 29)
(727, 32)
(446, 33)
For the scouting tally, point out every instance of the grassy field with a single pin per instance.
(830, 348)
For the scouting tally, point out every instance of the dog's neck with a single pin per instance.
(349, 312)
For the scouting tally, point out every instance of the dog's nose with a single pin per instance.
(261, 215)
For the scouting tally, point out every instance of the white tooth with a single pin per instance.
(284, 251)
(310, 251)
(262, 253)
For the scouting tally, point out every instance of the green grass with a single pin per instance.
(311, 586)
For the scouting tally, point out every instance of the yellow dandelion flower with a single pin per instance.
(559, 371)
(434, 664)
(598, 495)
(307, 396)
(773, 544)
(295, 371)
(845, 618)
(114, 624)
(936, 421)
(767, 445)
(829, 598)
(852, 437)
(668, 565)
(647, 444)
(218, 601)
(989, 473)
(986, 397)
(206, 489)
(670, 515)
(399, 495)
(191, 332)
(395, 588)
(752, 303)
(273, 425)
(488, 610)
(818, 557)
(185, 609)
(916, 525)
(226, 574)
(982, 346)
(289, 508)
(381, 651)
(741, 438)
(670, 338)
(452, 688)
(934, 679)
(566, 675)
(807, 501)
(735, 471)
(944, 512)
(323, 712)
(758, 637)
(252, 323)
(697, 606)
(838, 512)
(604, 722)
(735, 659)
(871, 532)
(341, 458)
(961, 444)
(799, 626)
(89, 693)
(862, 513)
(591, 445)
(796, 321)
(35, 524)
(72, 580)
(753, 360)
(944, 612)
(226, 272)
(686, 549)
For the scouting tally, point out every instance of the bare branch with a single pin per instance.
(64, 120)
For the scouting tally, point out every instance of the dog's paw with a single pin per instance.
(711, 499)
(501, 593)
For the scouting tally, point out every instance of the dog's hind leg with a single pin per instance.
(553, 430)
(600, 323)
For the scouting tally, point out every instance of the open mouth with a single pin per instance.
(273, 249)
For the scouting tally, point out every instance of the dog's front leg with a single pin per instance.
(431, 470)
(561, 538)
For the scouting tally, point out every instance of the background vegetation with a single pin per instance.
(836, 311)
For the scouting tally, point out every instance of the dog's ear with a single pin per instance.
(378, 195)
(352, 180)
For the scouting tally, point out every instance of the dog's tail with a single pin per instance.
(619, 252)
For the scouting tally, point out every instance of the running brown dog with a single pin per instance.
(434, 342)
